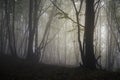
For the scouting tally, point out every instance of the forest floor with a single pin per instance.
(18, 69)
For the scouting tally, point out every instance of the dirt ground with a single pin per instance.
(19, 69)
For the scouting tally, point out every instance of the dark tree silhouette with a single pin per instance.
(90, 60)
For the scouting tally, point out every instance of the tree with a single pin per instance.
(35, 11)
(9, 23)
(86, 48)
(90, 60)
(112, 11)
(31, 36)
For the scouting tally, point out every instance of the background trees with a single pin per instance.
(86, 32)
(113, 30)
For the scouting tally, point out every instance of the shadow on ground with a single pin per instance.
(19, 69)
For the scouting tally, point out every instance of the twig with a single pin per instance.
(65, 14)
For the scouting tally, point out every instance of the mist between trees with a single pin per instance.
(62, 32)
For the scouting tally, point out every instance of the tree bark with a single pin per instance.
(90, 61)
(30, 25)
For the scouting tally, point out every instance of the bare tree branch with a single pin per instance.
(97, 2)
(81, 2)
(66, 14)
(74, 6)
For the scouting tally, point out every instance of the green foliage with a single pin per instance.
(62, 15)
(58, 14)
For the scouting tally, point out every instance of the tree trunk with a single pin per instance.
(30, 38)
(90, 61)
(1, 29)
(9, 27)
(33, 31)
